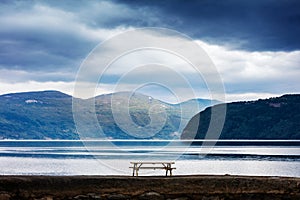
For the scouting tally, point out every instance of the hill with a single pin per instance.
(274, 118)
(48, 115)
(37, 115)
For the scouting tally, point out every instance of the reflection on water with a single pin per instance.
(107, 158)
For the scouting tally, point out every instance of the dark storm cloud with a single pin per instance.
(46, 34)
(55, 36)
(252, 25)
(36, 53)
(36, 37)
(58, 35)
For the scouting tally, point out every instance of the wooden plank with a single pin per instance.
(152, 162)
(152, 168)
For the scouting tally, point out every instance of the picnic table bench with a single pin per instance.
(151, 165)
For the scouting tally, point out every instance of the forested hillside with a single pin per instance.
(274, 118)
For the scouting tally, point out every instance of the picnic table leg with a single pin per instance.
(133, 169)
(167, 171)
(137, 168)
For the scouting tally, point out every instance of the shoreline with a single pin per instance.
(148, 187)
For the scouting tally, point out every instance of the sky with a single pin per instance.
(255, 45)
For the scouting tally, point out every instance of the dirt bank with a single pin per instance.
(177, 187)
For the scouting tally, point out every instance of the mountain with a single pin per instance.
(274, 118)
(189, 108)
(37, 115)
(48, 115)
(139, 106)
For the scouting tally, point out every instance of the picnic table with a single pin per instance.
(151, 165)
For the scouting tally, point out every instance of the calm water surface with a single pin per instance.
(113, 157)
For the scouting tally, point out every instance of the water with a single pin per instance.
(261, 158)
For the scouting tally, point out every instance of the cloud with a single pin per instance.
(257, 74)
(51, 35)
(111, 14)
(40, 76)
(27, 86)
(158, 57)
(251, 25)
(249, 96)
(254, 45)
(265, 71)
(46, 38)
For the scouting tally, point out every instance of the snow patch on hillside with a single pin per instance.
(31, 101)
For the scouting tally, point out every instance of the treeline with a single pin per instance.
(274, 118)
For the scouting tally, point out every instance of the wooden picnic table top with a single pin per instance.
(153, 162)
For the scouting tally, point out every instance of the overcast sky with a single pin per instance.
(255, 45)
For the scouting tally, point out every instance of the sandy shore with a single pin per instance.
(119, 187)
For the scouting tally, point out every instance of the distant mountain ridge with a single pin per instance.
(36, 115)
(52, 94)
(48, 115)
(273, 118)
